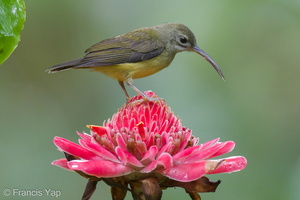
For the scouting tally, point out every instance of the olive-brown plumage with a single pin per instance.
(137, 54)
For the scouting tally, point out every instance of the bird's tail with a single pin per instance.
(64, 66)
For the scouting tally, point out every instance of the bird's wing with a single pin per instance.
(127, 48)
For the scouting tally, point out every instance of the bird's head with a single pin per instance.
(181, 38)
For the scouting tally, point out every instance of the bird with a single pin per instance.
(137, 54)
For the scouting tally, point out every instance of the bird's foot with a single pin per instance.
(145, 98)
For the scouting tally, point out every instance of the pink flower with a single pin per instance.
(145, 139)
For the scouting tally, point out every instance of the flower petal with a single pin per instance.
(228, 147)
(210, 143)
(187, 152)
(152, 166)
(203, 154)
(150, 155)
(165, 160)
(228, 165)
(100, 130)
(84, 136)
(99, 150)
(127, 158)
(63, 163)
(74, 149)
(100, 168)
(141, 129)
(186, 172)
(120, 141)
(164, 148)
(187, 139)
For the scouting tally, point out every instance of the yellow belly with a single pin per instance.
(136, 70)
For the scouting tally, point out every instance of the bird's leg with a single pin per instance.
(129, 82)
(124, 89)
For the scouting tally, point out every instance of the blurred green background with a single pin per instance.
(256, 43)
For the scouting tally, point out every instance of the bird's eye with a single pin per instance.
(183, 39)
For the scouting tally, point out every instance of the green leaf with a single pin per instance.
(12, 18)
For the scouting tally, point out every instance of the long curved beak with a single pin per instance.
(209, 59)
